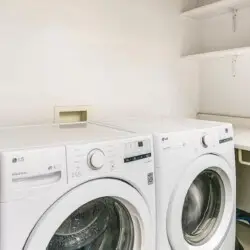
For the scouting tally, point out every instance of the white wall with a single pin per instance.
(220, 92)
(122, 54)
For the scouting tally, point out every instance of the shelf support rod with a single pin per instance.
(235, 14)
(234, 61)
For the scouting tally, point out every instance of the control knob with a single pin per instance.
(206, 141)
(96, 159)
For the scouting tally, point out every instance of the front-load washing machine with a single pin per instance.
(66, 188)
(195, 181)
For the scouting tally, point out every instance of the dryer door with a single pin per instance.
(202, 206)
(101, 214)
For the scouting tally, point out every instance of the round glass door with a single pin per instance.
(203, 204)
(101, 224)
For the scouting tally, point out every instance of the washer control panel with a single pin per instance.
(137, 150)
(104, 158)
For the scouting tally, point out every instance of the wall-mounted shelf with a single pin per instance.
(220, 53)
(214, 9)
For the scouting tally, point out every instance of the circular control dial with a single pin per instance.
(206, 141)
(96, 159)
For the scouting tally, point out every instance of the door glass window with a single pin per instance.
(101, 224)
(202, 208)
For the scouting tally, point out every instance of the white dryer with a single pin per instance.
(195, 182)
(76, 189)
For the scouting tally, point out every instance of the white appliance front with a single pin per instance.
(196, 191)
(100, 214)
(79, 195)
(195, 181)
(202, 205)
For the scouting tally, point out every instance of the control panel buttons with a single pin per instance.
(206, 141)
(136, 158)
(96, 159)
(137, 148)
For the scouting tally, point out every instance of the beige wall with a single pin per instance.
(105, 53)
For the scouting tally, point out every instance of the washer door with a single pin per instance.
(202, 207)
(101, 214)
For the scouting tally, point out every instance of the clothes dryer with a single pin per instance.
(195, 181)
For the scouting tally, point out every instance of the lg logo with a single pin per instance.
(163, 139)
(17, 159)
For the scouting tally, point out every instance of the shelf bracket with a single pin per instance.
(234, 61)
(235, 14)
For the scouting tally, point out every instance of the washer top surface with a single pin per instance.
(159, 125)
(49, 135)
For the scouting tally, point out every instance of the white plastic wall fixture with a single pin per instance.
(240, 158)
(71, 114)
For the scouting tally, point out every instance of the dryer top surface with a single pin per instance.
(160, 125)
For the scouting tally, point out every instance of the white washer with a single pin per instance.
(76, 188)
(195, 182)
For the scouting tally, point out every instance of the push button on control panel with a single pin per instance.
(224, 140)
(138, 157)
(137, 150)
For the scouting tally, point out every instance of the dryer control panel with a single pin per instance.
(226, 135)
(217, 136)
(201, 139)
